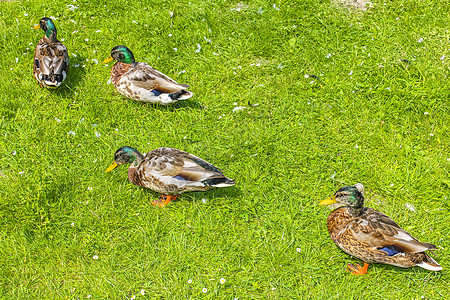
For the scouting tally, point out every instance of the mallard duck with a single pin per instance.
(371, 236)
(139, 81)
(170, 172)
(51, 60)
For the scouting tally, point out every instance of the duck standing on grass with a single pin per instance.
(372, 236)
(170, 172)
(51, 60)
(139, 81)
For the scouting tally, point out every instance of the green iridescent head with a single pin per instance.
(47, 25)
(120, 54)
(349, 196)
(125, 155)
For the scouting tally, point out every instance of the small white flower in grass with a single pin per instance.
(356, 146)
(420, 40)
(170, 34)
(95, 257)
(98, 31)
(189, 281)
(133, 297)
(298, 249)
(239, 108)
(76, 65)
(388, 88)
(17, 60)
(425, 113)
(89, 296)
(25, 14)
(73, 21)
(273, 289)
(53, 18)
(431, 134)
(204, 290)
(448, 159)
(21, 172)
(71, 132)
(142, 292)
(328, 55)
(135, 22)
(442, 57)
(94, 60)
(14, 153)
(97, 134)
(306, 76)
(171, 13)
(72, 224)
(204, 200)
(275, 7)
(410, 207)
(182, 72)
(175, 49)
(89, 188)
(206, 39)
(198, 48)
(391, 185)
(235, 103)
(57, 120)
(214, 53)
(222, 280)
(351, 72)
(109, 81)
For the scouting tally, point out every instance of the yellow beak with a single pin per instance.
(111, 167)
(37, 26)
(108, 60)
(328, 201)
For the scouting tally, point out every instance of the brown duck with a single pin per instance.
(141, 82)
(372, 236)
(51, 59)
(170, 172)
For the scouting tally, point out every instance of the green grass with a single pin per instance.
(385, 125)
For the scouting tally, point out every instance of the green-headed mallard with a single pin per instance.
(51, 60)
(170, 172)
(139, 81)
(372, 236)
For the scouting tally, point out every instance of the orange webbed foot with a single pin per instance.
(163, 200)
(358, 270)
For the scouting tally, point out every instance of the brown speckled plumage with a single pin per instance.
(371, 235)
(170, 171)
(139, 81)
(51, 59)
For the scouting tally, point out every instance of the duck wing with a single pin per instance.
(381, 232)
(144, 76)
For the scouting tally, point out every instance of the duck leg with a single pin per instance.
(358, 270)
(163, 200)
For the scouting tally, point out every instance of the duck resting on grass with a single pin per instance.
(170, 172)
(51, 60)
(139, 81)
(372, 236)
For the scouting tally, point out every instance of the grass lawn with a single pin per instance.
(344, 96)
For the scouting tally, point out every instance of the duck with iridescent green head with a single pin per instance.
(139, 81)
(371, 236)
(51, 59)
(170, 172)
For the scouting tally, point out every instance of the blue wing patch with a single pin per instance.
(180, 178)
(156, 93)
(391, 250)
